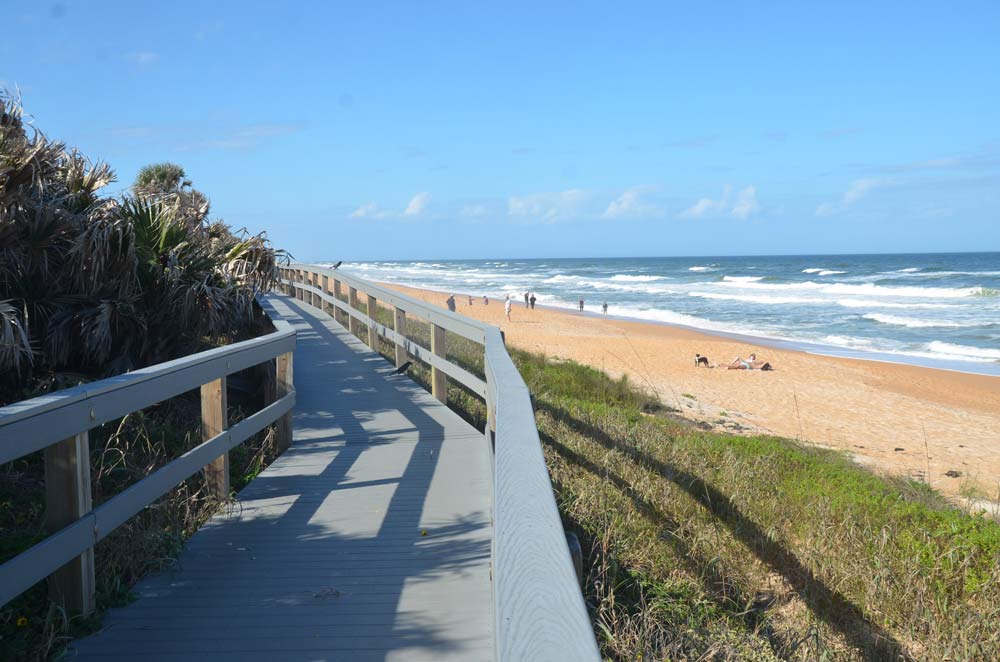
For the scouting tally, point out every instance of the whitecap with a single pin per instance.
(829, 272)
(700, 269)
(963, 351)
(742, 279)
(912, 322)
(636, 279)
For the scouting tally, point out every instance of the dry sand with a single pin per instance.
(902, 419)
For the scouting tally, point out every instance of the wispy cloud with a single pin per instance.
(858, 189)
(417, 204)
(743, 206)
(245, 137)
(553, 206)
(368, 210)
(632, 204)
(746, 204)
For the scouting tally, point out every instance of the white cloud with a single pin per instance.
(474, 211)
(857, 190)
(746, 203)
(744, 206)
(553, 206)
(418, 204)
(630, 204)
(367, 210)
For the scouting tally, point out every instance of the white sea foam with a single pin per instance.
(963, 351)
(701, 269)
(830, 272)
(812, 270)
(636, 279)
(909, 305)
(742, 279)
(909, 270)
(871, 289)
(912, 322)
(757, 298)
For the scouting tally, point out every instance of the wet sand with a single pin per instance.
(908, 420)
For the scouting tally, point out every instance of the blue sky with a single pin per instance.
(437, 130)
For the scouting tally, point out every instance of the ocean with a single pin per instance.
(938, 310)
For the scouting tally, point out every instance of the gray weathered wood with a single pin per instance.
(34, 564)
(284, 385)
(439, 381)
(337, 312)
(368, 540)
(453, 322)
(373, 315)
(352, 301)
(214, 420)
(399, 326)
(473, 383)
(31, 425)
(68, 499)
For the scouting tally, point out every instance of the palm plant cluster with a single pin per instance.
(93, 285)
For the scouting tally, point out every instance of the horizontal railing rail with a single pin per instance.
(59, 423)
(538, 606)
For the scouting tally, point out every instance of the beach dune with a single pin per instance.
(938, 426)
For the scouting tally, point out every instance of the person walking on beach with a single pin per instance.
(470, 299)
(604, 308)
(486, 300)
(506, 307)
(525, 299)
(532, 300)
(451, 302)
(581, 305)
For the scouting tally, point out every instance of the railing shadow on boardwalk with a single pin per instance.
(251, 547)
(825, 603)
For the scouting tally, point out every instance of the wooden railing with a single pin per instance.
(59, 424)
(538, 606)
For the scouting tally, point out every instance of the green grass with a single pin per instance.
(711, 545)
(702, 545)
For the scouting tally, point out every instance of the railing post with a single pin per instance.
(214, 420)
(337, 314)
(399, 325)
(314, 298)
(283, 386)
(352, 301)
(326, 290)
(299, 293)
(439, 381)
(67, 499)
(372, 334)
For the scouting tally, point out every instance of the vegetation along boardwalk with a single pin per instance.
(368, 539)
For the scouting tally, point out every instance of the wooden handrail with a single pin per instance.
(59, 423)
(538, 606)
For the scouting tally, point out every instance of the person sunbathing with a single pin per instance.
(750, 363)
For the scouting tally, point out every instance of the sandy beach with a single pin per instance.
(902, 419)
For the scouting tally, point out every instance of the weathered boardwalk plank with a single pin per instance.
(369, 539)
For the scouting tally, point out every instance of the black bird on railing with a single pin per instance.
(403, 368)
(337, 265)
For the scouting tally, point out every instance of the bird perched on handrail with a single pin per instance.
(337, 265)
(403, 368)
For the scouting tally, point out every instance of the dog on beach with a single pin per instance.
(700, 360)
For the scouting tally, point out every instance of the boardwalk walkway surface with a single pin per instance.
(369, 539)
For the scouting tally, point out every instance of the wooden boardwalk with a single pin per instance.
(369, 539)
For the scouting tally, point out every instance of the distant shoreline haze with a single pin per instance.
(938, 310)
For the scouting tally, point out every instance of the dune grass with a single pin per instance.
(700, 545)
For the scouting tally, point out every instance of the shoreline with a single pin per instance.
(985, 368)
(905, 419)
